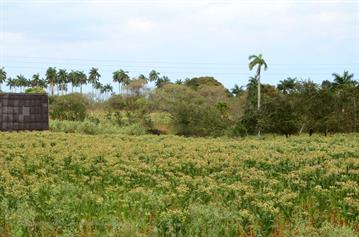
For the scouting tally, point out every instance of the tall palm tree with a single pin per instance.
(82, 79)
(257, 60)
(121, 77)
(72, 78)
(2, 76)
(51, 77)
(62, 80)
(94, 78)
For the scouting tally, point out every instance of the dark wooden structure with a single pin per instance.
(23, 112)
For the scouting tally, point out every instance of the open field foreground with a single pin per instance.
(56, 184)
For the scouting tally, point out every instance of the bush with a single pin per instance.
(68, 107)
(91, 128)
(191, 114)
(35, 90)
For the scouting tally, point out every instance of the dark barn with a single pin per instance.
(23, 112)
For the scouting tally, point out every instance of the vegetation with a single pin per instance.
(201, 106)
(56, 184)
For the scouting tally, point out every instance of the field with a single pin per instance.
(57, 184)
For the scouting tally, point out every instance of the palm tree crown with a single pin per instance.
(345, 80)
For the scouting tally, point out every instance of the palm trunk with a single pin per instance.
(259, 95)
(81, 89)
(259, 87)
(52, 89)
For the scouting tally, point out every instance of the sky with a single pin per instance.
(307, 39)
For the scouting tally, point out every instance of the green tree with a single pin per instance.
(62, 79)
(82, 79)
(21, 82)
(36, 81)
(287, 86)
(345, 80)
(162, 81)
(2, 76)
(11, 83)
(121, 77)
(237, 90)
(94, 78)
(51, 77)
(153, 76)
(73, 79)
(259, 62)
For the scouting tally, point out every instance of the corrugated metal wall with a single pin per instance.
(23, 112)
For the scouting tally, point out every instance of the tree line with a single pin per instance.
(202, 106)
(58, 81)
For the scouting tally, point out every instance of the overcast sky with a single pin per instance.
(187, 38)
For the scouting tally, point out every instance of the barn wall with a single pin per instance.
(23, 112)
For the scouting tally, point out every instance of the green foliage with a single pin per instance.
(191, 114)
(35, 90)
(198, 82)
(68, 107)
(93, 128)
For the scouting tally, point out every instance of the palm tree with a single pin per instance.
(345, 80)
(72, 78)
(21, 82)
(143, 77)
(106, 89)
(162, 81)
(11, 83)
(120, 76)
(287, 86)
(94, 77)
(153, 76)
(62, 79)
(257, 60)
(51, 77)
(237, 90)
(35, 80)
(345, 84)
(2, 76)
(82, 79)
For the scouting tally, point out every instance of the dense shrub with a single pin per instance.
(190, 112)
(68, 107)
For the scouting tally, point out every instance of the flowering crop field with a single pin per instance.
(57, 184)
